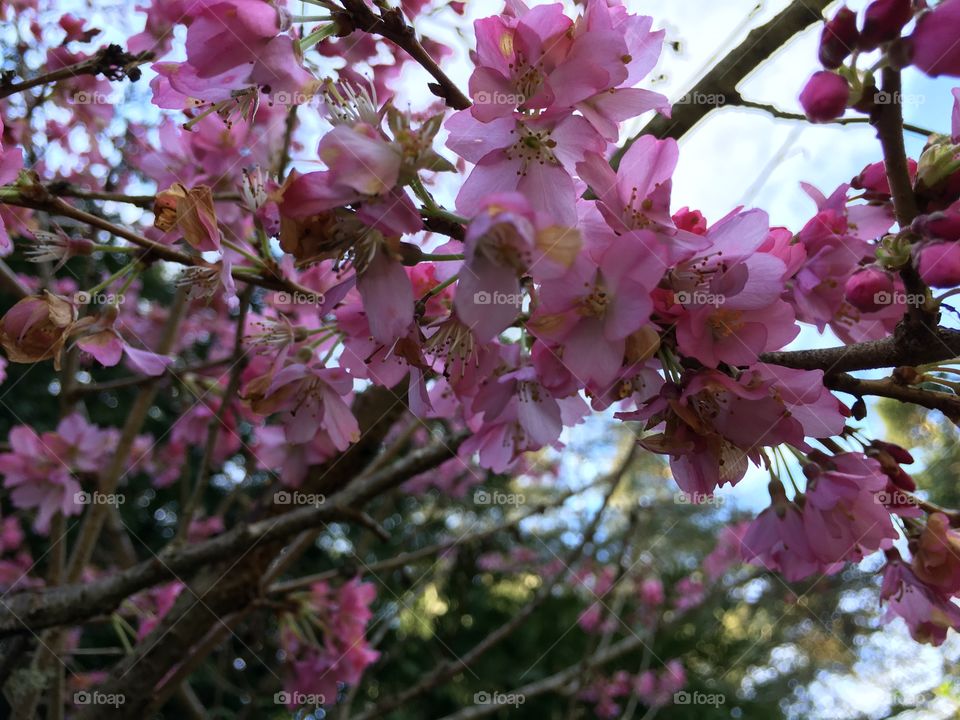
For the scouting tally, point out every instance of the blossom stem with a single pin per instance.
(442, 258)
(188, 125)
(320, 341)
(442, 214)
(952, 384)
(127, 283)
(311, 18)
(322, 329)
(318, 35)
(131, 249)
(264, 243)
(120, 628)
(438, 289)
(329, 355)
(941, 369)
(96, 289)
(248, 255)
(431, 208)
(421, 192)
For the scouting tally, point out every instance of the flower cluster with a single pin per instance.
(567, 281)
(319, 666)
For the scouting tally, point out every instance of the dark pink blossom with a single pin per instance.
(939, 264)
(825, 96)
(883, 21)
(839, 38)
(934, 40)
(869, 289)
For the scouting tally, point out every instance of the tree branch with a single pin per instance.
(887, 118)
(392, 25)
(776, 112)
(946, 403)
(722, 80)
(32, 611)
(111, 61)
(930, 346)
(38, 198)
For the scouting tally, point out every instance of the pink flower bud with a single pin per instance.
(839, 38)
(883, 21)
(869, 290)
(825, 96)
(941, 225)
(939, 264)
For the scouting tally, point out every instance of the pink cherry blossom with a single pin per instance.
(842, 516)
(928, 613)
(536, 157)
(310, 398)
(935, 50)
(503, 243)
